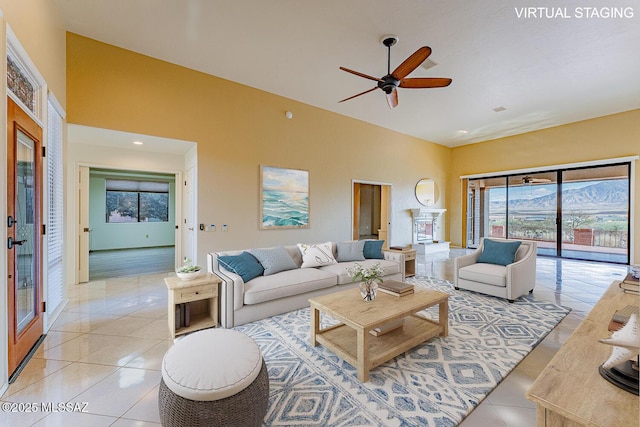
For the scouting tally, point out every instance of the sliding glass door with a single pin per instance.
(595, 213)
(533, 210)
(580, 213)
(486, 209)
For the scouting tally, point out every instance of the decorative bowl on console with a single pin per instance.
(188, 271)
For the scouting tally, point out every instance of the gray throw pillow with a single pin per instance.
(350, 251)
(274, 260)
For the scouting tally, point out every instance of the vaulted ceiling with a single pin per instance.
(514, 70)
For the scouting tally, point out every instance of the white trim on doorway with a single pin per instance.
(179, 214)
(389, 205)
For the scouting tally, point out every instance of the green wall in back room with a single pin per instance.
(106, 236)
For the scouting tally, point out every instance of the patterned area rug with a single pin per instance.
(435, 384)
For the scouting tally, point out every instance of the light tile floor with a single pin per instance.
(106, 347)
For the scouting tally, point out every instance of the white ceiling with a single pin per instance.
(77, 134)
(543, 71)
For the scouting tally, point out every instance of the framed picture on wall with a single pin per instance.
(284, 198)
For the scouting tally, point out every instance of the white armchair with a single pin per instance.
(506, 281)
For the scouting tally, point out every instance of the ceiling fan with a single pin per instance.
(528, 180)
(397, 78)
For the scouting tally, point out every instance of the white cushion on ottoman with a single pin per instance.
(211, 364)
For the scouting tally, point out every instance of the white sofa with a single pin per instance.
(266, 296)
(505, 281)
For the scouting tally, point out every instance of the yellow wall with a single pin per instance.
(40, 29)
(606, 137)
(237, 129)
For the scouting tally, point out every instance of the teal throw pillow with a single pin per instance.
(500, 253)
(244, 265)
(373, 249)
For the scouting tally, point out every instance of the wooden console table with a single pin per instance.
(570, 390)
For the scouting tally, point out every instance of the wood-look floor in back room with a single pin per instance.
(129, 262)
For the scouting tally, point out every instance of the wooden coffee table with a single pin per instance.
(352, 339)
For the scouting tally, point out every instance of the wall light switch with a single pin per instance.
(224, 227)
(212, 227)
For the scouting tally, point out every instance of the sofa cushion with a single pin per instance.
(500, 253)
(287, 283)
(244, 265)
(295, 254)
(373, 249)
(316, 255)
(340, 271)
(274, 260)
(350, 251)
(491, 274)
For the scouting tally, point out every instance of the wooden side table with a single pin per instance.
(409, 260)
(202, 296)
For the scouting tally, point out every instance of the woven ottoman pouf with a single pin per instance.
(215, 377)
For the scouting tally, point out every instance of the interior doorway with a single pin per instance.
(371, 206)
(129, 222)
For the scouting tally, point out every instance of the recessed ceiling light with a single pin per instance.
(498, 109)
(138, 142)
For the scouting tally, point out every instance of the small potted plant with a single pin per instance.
(369, 277)
(188, 271)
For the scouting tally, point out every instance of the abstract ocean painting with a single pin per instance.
(285, 198)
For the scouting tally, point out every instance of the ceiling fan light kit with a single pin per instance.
(392, 80)
(527, 180)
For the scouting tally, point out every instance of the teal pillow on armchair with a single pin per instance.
(500, 253)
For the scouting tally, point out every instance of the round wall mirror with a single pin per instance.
(426, 192)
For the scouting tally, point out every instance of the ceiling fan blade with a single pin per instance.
(375, 79)
(424, 82)
(362, 93)
(392, 99)
(411, 63)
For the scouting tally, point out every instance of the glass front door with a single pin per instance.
(24, 235)
(25, 271)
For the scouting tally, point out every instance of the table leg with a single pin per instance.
(315, 325)
(443, 317)
(362, 361)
